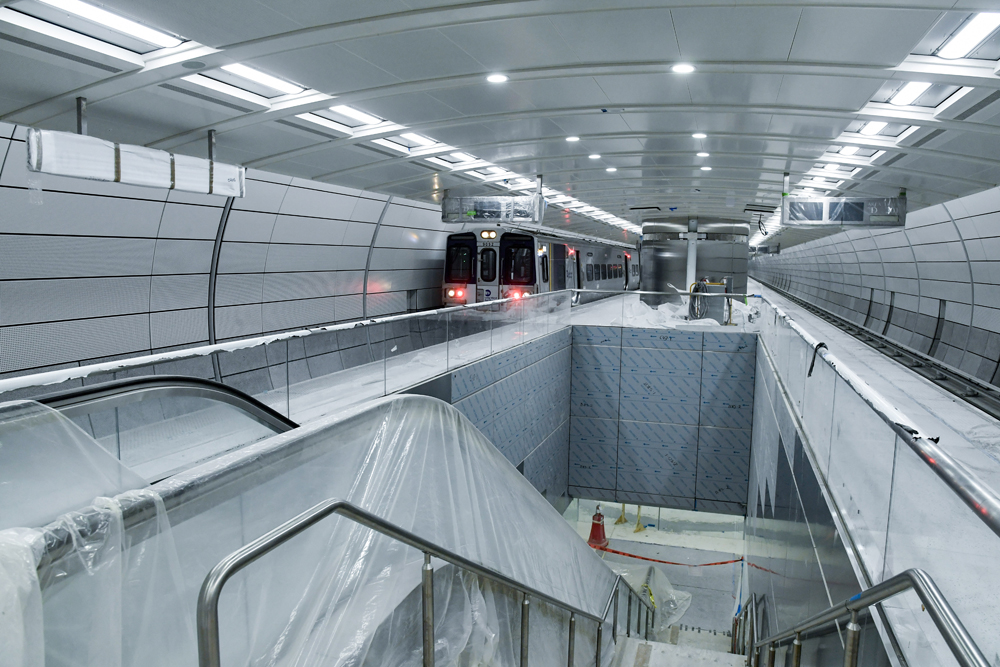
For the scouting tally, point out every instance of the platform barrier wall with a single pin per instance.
(662, 417)
(91, 271)
(796, 562)
(894, 511)
(519, 399)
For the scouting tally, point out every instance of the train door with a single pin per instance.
(559, 273)
(488, 286)
(517, 265)
(544, 269)
(459, 270)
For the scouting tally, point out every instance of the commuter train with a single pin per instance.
(491, 262)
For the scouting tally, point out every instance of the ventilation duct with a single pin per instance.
(80, 156)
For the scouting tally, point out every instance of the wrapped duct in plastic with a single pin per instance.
(80, 156)
(338, 594)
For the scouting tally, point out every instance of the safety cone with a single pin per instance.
(597, 537)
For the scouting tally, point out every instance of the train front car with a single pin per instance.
(471, 267)
(520, 266)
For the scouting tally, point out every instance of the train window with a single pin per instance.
(458, 264)
(604, 271)
(545, 268)
(590, 273)
(518, 265)
(488, 265)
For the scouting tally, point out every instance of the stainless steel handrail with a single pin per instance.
(959, 640)
(211, 590)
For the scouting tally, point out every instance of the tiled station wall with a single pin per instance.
(520, 400)
(932, 285)
(662, 417)
(798, 563)
(95, 271)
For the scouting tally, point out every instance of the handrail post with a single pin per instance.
(769, 661)
(651, 623)
(428, 610)
(851, 643)
(600, 632)
(614, 620)
(525, 608)
(628, 615)
(797, 650)
(572, 638)
(638, 617)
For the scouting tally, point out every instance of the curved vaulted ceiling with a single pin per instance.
(796, 87)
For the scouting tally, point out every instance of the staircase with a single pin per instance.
(690, 650)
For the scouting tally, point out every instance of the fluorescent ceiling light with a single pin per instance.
(611, 169)
(115, 22)
(359, 116)
(572, 138)
(706, 169)
(831, 167)
(973, 33)
(388, 143)
(464, 157)
(703, 154)
(873, 127)
(325, 122)
(417, 139)
(699, 135)
(226, 89)
(497, 78)
(594, 156)
(848, 150)
(257, 76)
(909, 93)
(683, 68)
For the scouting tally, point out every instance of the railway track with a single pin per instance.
(970, 389)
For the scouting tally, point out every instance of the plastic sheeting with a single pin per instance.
(21, 639)
(338, 594)
(49, 466)
(651, 581)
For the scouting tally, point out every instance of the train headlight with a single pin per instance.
(484, 234)
(451, 293)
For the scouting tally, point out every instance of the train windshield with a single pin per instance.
(458, 266)
(517, 260)
(488, 265)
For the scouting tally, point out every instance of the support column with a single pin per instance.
(692, 259)
(81, 115)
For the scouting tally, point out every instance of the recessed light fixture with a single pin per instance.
(572, 138)
(703, 154)
(832, 167)
(848, 150)
(497, 78)
(115, 22)
(972, 34)
(909, 93)
(682, 68)
(873, 127)
(706, 169)
(251, 74)
(611, 169)
(699, 135)
(594, 156)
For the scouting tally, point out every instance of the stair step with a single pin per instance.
(638, 653)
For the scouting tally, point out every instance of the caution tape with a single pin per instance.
(667, 562)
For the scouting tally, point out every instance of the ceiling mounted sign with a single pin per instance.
(844, 212)
(81, 156)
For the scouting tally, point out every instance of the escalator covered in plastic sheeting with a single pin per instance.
(340, 594)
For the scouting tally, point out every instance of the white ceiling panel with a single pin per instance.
(714, 88)
(439, 57)
(638, 35)
(328, 68)
(859, 34)
(735, 34)
(513, 44)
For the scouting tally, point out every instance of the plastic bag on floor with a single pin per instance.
(650, 581)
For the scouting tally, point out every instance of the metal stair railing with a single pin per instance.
(211, 590)
(958, 639)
